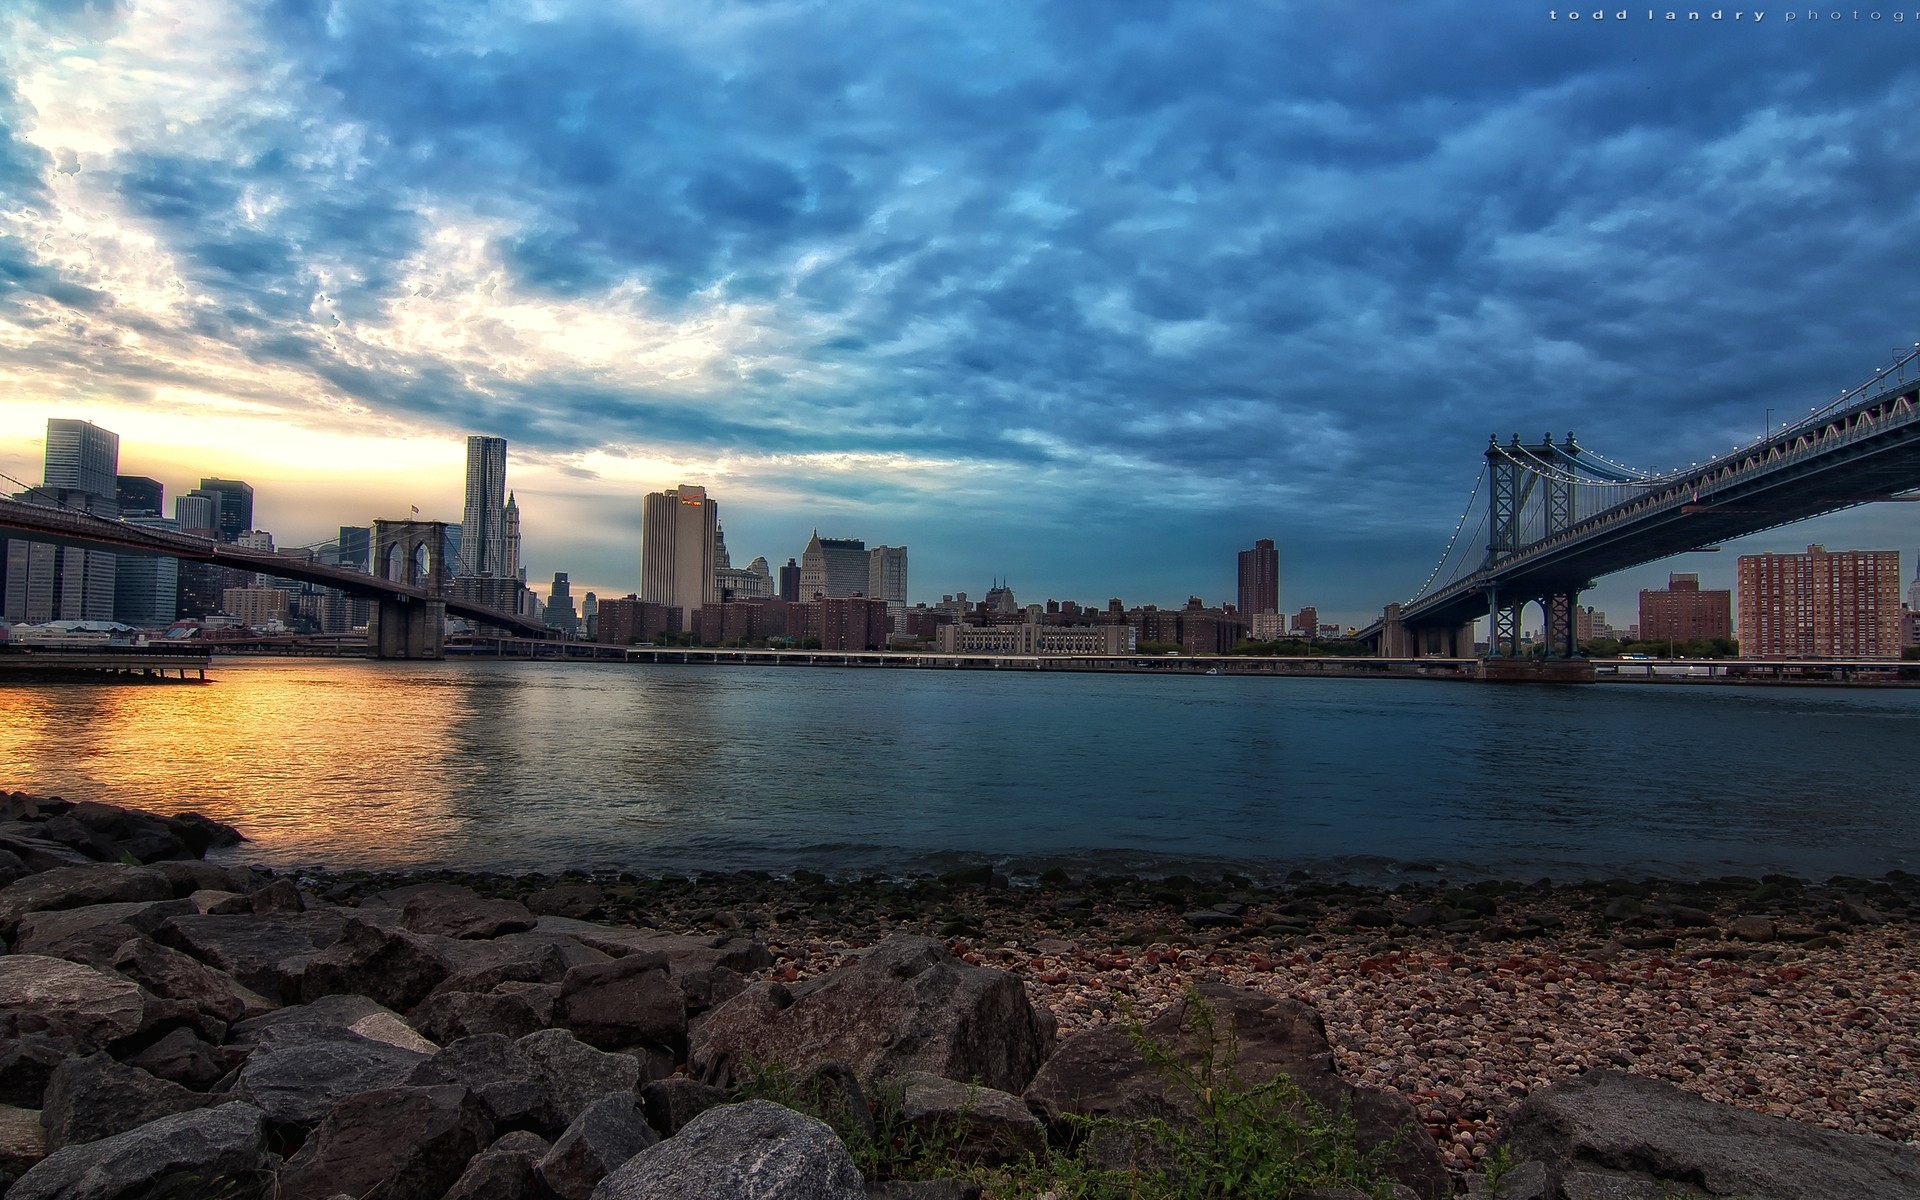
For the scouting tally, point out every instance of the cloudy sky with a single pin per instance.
(1088, 295)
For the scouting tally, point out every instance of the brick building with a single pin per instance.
(1844, 604)
(1684, 613)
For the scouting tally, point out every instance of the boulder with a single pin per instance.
(280, 896)
(574, 1074)
(906, 1005)
(1101, 1073)
(190, 876)
(38, 930)
(27, 1062)
(974, 1124)
(708, 969)
(670, 1103)
(144, 836)
(397, 1143)
(457, 912)
(449, 1016)
(89, 945)
(264, 954)
(392, 966)
(169, 974)
(12, 867)
(185, 1059)
(187, 1154)
(296, 1073)
(579, 900)
(624, 1002)
(354, 1014)
(752, 1151)
(22, 1143)
(1615, 1121)
(64, 999)
(503, 1171)
(202, 834)
(36, 853)
(599, 1141)
(481, 966)
(95, 1097)
(497, 1071)
(77, 887)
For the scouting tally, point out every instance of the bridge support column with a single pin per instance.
(1395, 641)
(401, 627)
(1562, 630)
(1503, 627)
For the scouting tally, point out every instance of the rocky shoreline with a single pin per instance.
(471, 1010)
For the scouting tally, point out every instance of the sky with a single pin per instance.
(1085, 295)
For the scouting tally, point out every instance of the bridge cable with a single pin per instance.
(1458, 526)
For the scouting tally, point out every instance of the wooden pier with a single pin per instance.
(141, 664)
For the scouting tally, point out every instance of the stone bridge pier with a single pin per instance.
(411, 553)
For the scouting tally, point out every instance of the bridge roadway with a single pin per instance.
(31, 522)
(1865, 452)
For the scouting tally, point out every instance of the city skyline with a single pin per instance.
(1088, 300)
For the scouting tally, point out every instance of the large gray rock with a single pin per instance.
(574, 1074)
(64, 999)
(752, 1151)
(175, 976)
(671, 1102)
(906, 1005)
(22, 1143)
(266, 954)
(625, 1002)
(539, 957)
(400, 1143)
(39, 930)
(295, 1074)
(1101, 1073)
(503, 1171)
(27, 1062)
(1610, 1119)
(188, 1154)
(76, 887)
(974, 1124)
(496, 1070)
(354, 1014)
(452, 911)
(392, 966)
(707, 969)
(598, 1142)
(183, 1058)
(191, 875)
(511, 1012)
(95, 1097)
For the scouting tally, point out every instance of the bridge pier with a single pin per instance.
(402, 627)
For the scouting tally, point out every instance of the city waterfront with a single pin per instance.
(655, 769)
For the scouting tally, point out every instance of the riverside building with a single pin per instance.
(42, 582)
(679, 532)
(1843, 604)
(1260, 579)
(483, 522)
(1684, 613)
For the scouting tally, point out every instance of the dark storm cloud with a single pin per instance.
(1268, 257)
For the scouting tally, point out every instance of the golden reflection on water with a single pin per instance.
(315, 761)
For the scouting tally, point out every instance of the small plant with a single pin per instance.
(1496, 1167)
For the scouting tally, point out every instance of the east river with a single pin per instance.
(654, 769)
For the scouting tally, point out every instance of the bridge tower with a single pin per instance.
(1517, 474)
(412, 553)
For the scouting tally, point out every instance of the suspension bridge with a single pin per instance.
(1555, 516)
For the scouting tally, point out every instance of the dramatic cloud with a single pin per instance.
(1088, 294)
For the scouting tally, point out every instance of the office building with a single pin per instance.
(1034, 638)
(82, 456)
(139, 495)
(1685, 613)
(356, 547)
(887, 574)
(833, 567)
(738, 583)
(255, 607)
(512, 568)
(1260, 579)
(560, 614)
(483, 523)
(678, 532)
(146, 590)
(790, 581)
(233, 514)
(197, 513)
(1844, 604)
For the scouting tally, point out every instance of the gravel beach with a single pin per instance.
(1779, 995)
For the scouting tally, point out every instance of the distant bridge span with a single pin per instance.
(1558, 516)
(31, 522)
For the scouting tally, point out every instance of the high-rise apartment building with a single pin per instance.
(790, 581)
(1684, 613)
(138, 494)
(678, 528)
(835, 567)
(1260, 579)
(233, 514)
(887, 574)
(483, 538)
(1844, 604)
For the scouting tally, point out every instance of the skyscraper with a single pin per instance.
(835, 567)
(560, 614)
(511, 523)
(138, 494)
(483, 537)
(233, 514)
(1260, 579)
(790, 581)
(82, 456)
(197, 512)
(677, 538)
(887, 574)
